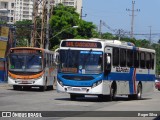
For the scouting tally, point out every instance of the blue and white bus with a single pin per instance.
(105, 68)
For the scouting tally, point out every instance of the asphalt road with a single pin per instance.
(45, 103)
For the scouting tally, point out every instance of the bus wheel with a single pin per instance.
(137, 96)
(112, 95)
(42, 88)
(139, 92)
(73, 96)
(16, 87)
(50, 87)
(103, 98)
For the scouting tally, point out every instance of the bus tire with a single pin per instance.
(103, 98)
(139, 92)
(26, 88)
(111, 96)
(44, 88)
(113, 91)
(50, 87)
(138, 95)
(73, 96)
(16, 87)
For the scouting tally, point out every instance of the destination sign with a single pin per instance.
(24, 51)
(81, 44)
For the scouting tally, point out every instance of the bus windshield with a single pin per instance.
(25, 62)
(78, 61)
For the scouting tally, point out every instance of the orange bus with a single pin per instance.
(31, 67)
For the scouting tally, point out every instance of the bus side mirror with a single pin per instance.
(107, 63)
(108, 60)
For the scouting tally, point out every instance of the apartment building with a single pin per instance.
(7, 10)
(17, 10)
(23, 10)
(73, 3)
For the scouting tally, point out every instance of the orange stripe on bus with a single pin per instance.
(25, 76)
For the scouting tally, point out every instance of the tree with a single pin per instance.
(63, 19)
(3, 22)
(23, 32)
(108, 36)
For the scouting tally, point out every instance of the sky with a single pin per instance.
(113, 13)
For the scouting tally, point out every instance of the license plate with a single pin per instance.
(24, 82)
(76, 89)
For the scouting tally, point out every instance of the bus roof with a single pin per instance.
(116, 43)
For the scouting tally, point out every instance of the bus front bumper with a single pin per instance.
(80, 90)
(37, 82)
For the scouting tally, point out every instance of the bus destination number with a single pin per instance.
(25, 51)
(122, 69)
(81, 44)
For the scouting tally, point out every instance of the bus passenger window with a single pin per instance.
(123, 57)
(148, 60)
(115, 56)
(136, 59)
(152, 60)
(142, 60)
(129, 58)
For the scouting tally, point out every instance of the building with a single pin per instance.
(77, 4)
(23, 10)
(7, 10)
(18, 10)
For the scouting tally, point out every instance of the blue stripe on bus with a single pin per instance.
(128, 76)
(83, 83)
(111, 76)
(92, 52)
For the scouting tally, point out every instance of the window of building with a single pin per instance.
(5, 5)
(12, 5)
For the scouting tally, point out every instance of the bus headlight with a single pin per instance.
(96, 83)
(60, 82)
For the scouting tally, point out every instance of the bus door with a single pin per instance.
(107, 60)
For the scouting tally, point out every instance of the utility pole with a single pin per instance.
(39, 14)
(132, 20)
(150, 33)
(82, 13)
(100, 29)
(47, 30)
